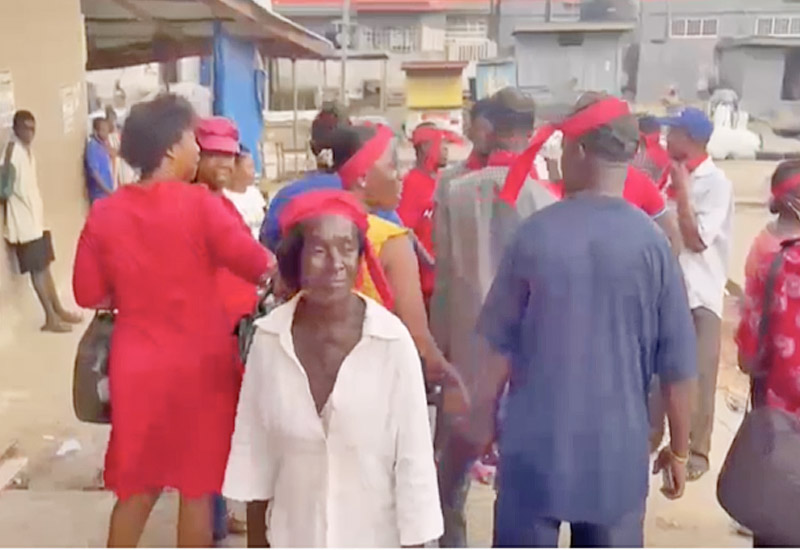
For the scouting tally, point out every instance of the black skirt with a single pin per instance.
(35, 255)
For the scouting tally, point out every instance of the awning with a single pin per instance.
(121, 33)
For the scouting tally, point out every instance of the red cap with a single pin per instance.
(218, 134)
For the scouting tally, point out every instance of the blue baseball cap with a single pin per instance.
(693, 121)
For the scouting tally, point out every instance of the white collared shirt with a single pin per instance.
(24, 209)
(369, 479)
(706, 272)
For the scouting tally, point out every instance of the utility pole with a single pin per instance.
(344, 43)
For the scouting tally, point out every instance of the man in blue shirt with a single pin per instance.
(587, 305)
(97, 162)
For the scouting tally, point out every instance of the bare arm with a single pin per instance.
(257, 524)
(402, 271)
(668, 223)
(687, 221)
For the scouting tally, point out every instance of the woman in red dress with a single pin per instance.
(152, 252)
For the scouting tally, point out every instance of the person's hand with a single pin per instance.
(680, 175)
(456, 399)
(674, 468)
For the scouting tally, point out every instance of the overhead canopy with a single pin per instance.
(130, 32)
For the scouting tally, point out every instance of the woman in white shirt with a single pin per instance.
(332, 441)
(244, 195)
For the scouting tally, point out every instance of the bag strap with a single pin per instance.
(758, 386)
(9, 152)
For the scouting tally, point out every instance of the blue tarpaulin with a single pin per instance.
(239, 87)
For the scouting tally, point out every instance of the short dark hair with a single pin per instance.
(152, 128)
(330, 117)
(244, 151)
(23, 116)
(649, 124)
(617, 141)
(346, 141)
(290, 252)
(97, 121)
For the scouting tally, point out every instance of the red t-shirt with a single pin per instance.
(416, 210)
(640, 191)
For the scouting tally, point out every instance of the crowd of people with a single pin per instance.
(565, 308)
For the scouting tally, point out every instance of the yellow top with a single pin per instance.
(378, 232)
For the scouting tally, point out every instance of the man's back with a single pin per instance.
(589, 304)
(478, 228)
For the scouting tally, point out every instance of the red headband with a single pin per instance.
(434, 136)
(314, 204)
(785, 187)
(581, 123)
(369, 153)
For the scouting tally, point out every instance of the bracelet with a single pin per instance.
(678, 458)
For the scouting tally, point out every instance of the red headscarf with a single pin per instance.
(331, 202)
(790, 185)
(581, 123)
(434, 136)
(359, 164)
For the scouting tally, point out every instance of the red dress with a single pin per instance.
(783, 382)
(154, 253)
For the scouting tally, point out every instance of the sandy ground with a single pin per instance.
(57, 500)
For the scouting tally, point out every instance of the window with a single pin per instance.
(694, 28)
(791, 76)
(778, 26)
(764, 26)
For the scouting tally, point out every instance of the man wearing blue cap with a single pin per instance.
(703, 198)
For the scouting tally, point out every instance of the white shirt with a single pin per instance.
(24, 209)
(251, 205)
(706, 273)
(370, 481)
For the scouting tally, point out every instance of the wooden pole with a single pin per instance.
(344, 44)
(384, 85)
(294, 116)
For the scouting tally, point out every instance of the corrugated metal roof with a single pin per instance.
(382, 5)
(120, 33)
(434, 66)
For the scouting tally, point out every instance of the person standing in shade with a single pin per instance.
(24, 224)
(703, 198)
(244, 194)
(97, 163)
(587, 305)
(471, 236)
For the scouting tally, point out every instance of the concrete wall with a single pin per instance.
(545, 68)
(757, 76)
(685, 62)
(43, 45)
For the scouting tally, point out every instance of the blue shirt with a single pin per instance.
(588, 304)
(97, 162)
(315, 181)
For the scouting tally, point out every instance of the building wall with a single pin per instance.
(43, 46)
(545, 68)
(688, 62)
(757, 76)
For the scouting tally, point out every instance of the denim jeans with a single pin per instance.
(220, 517)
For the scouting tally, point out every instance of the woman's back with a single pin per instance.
(154, 252)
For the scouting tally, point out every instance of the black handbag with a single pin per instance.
(91, 396)
(246, 328)
(759, 484)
